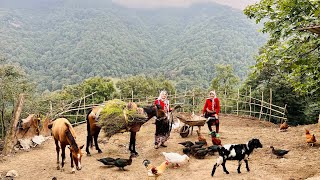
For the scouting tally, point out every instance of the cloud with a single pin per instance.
(239, 4)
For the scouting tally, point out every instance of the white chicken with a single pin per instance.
(175, 158)
(176, 125)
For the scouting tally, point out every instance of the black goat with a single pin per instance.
(235, 152)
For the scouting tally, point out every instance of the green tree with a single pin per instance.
(12, 83)
(296, 52)
(225, 79)
(143, 86)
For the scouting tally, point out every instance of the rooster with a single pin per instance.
(284, 126)
(310, 139)
(201, 137)
(154, 171)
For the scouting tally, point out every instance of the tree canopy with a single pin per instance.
(289, 62)
(295, 51)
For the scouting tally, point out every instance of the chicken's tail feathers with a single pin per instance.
(314, 137)
(146, 162)
(307, 131)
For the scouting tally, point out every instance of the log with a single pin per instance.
(10, 139)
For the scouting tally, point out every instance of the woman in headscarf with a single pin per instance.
(211, 111)
(162, 125)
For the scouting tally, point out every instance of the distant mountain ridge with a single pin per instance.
(65, 42)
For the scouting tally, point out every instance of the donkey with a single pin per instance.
(93, 129)
(63, 132)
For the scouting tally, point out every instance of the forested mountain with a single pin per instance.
(64, 42)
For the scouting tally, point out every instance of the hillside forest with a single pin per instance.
(57, 51)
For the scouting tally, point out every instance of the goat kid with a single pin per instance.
(235, 152)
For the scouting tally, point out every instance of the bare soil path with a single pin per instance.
(301, 162)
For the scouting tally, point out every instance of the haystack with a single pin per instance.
(116, 117)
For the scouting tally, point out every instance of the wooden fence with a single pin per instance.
(230, 102)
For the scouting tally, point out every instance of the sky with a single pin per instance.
(239, 4)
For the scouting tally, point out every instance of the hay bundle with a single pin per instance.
(116, 117)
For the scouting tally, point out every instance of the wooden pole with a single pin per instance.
(78, 112)
(51, 109)
(246, 97)
(184, 99)
(132, 96)
(270, 105)
(261, 105)
(193, 101)
(284, 112)
(225, 100)
(84, 106)
(175, 97)
(238, 103)
(250, 100)
(10, 139)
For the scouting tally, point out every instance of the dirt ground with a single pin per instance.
(302, 162)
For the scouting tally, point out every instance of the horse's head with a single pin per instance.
(154, 110)
(76, 155)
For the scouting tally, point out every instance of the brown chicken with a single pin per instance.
(201, 137)
(284, 126)
(155, 171)
(310, 139)
(215, 140)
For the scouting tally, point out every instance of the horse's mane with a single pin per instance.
(72, 142)
(148, 109)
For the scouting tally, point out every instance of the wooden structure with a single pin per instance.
(192, 102)
(314, 29)
(190, 120)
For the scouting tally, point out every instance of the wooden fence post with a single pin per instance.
(193, 101)
(79, 106)
(51, 109)
(10, 139)
(246, 97)
(84, 106)
(132, 96)
(225, 100)
(184, 99)
(270, 105)
(261, 105)
(175, 97)
(284, 112)
(250, 101)
(238, 103)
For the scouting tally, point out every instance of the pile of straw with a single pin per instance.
(117, 117)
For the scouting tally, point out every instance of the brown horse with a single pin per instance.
(63, 132)
(28, 127)
(93, 129)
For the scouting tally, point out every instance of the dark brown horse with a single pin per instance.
(63, 132)
(93, 129)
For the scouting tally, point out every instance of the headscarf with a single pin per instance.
(214, 96)
(166, 101)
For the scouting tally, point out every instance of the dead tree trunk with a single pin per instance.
(10, 139)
